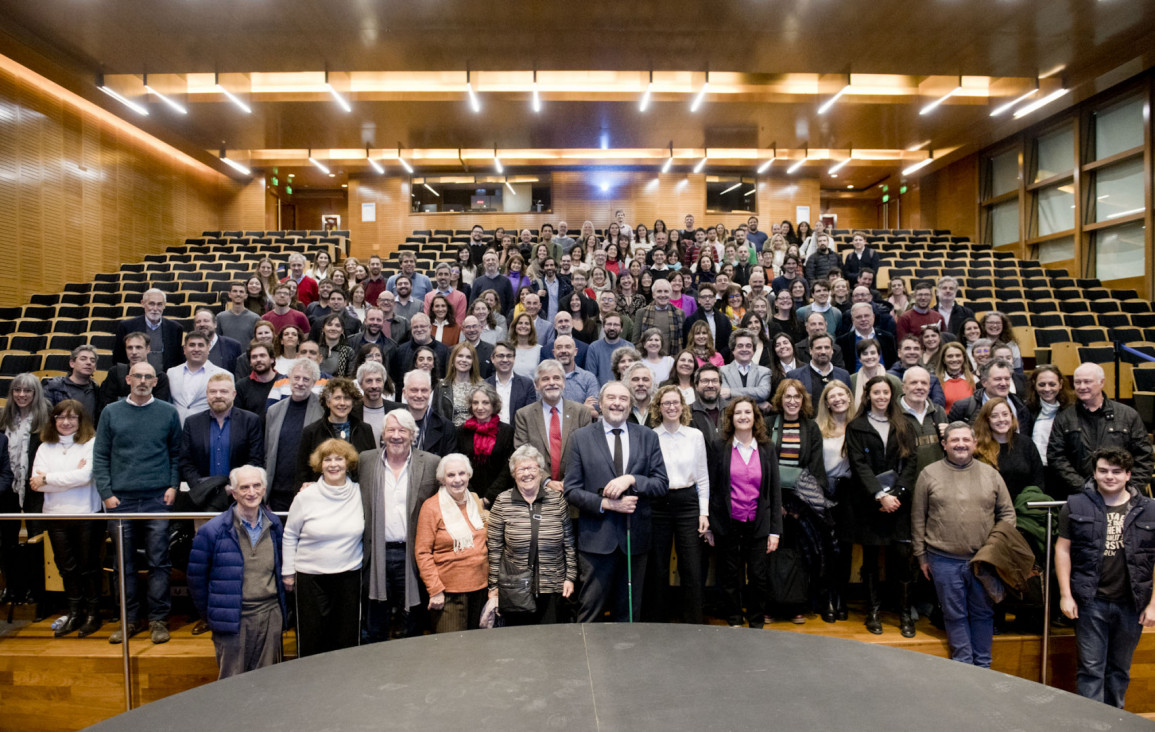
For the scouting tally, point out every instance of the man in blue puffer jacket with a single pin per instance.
(234, 577)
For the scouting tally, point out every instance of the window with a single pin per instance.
(1055, 153)
(1055, 208)
(727, 194)
(1057, 250)
(1004, 173)
(1119, 190)
(481, 193)
(1004, 223)
(1118, 128)
(1119, 252)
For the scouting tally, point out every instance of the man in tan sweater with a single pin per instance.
(957, 502)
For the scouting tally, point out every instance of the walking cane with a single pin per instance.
(629, 571)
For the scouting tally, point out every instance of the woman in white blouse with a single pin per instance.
(322, 552)
(681, 517)
(62, 471)
(834, 409)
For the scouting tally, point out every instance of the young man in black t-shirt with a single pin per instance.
(1104, 562)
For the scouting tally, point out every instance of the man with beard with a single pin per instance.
(284, 423)
(371, 379)
(600, 351)
(216, 441)
(373, 332)
(443, 274)
(408, 304)
(640, 381)
(477, 244)
(420, 334)
(253, 390)
(491, 278)
(420, 283)
(549, 423)
(116, 386)
(815, 375)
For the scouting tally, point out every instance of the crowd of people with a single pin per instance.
(525, 436)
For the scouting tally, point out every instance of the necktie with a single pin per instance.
(618, 467)
(554, 444)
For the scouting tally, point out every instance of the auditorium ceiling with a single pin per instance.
(450, 82)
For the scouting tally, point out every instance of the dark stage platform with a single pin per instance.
(623, 677)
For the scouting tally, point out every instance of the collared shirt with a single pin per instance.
(396, 501)
(551, 289)
(919, 415)
(580, 385)
(253, 530)
(187, 388)
(712, 325)
(641, 414)
(625, 442)
(827, 372)
(504, 391)
(684, 452)
(151, 399)
(547, 414)
(945, 315)
(219, 445)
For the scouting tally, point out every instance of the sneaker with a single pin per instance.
(117, 636)
(159, 632)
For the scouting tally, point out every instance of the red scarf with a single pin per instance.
(484, 437)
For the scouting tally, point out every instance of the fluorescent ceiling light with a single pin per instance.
(235, 100)
(1040, 103)
(736, 185)
(321, 166)
(341, 102)
(431, 190)
(236, 166)
(473, 100)
(830, 102)
(701, 97)
(1009, 105)
(918, 166)
(138, 108)
(794, 168)
(376, 166)
(766, 165)
(174, 105)
(838, 166)
(750, 192)
(408, 168)
(642, 105)
(934, 105)
(507, 185)
(536, 96)
(666, 165)
(497, 164)
(701, 164)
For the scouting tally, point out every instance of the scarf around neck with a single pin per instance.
(484, 437)
(456, 525)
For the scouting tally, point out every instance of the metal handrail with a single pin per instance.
(1046, 651)
(119, 519)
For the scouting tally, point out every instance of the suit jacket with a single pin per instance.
(721, 326)
(246, 444)
(490, 479)
(275, 418)
(521, 393)
(384, 342)
(757, 382)
(768, 512)
(438, 435)
(170, 332)
(484, 356)
(802, 351)
(402, 360)
(812, 382)
(115, 386)
(422, 487)
(847, 343)
(591, 466)
(564, 289)
(529, 429)
(225, 353)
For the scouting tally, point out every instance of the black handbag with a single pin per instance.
(517, 588)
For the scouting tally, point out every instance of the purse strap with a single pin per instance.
(534, 523)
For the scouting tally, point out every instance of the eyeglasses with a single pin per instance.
(526, 469)
(142, 377)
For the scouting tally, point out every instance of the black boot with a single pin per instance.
(905, 621)
(73, 621)
(874, 604)
(91, 617)
(830, 610)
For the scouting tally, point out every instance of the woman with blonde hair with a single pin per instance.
(835, 410)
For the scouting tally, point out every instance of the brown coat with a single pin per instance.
(1007, 553)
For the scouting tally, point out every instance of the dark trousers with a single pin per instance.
(548, 612)
(1106, 634)
(899, 567)
(153, 535)
(603, 574)
(328, 611)
(11, 560)
(380, 616)
(675, 524)
(462, 611)
(742, 556)
(77, 546)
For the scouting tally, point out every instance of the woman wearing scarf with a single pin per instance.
(451, 549)
(488, 443)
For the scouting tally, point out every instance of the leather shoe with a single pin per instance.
(873, 622)
(159, 632)
(200, 627)
(91, 625)
(117, 636)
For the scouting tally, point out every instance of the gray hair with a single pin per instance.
(860, 305)
(994, 363)
(39, 407)
(297, 257)
(1096, 368)
(81, 349)
(629, 377)
(370, 367)
(308, 365)
(420, 316)
(912, 370)
(957, 425)
(154, 291)
(550, 364)
(490, 393)
(450, 459)
(526, 453)
(417, 374)
(235, 480)
(607, 385)
(403, 418)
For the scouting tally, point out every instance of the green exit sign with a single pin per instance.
(289, 190)
(275, 182)
(885, 197)
(885, 188)
(901, 190)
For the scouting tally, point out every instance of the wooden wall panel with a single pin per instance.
(949, 198)
(853, 213)
(246, 209)
(82, 192)
(577, 197)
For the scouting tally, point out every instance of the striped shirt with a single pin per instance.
(510, 532)
(791, 450)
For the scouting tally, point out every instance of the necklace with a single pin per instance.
(872, 418)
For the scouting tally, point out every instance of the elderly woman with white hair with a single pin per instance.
(532, 560)
(234, 577)
(451, 549)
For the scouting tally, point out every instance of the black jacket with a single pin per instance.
(360, 437)
(1087, 531)
(868, 459)
(492, 477)
(810, 446)
(170, 332)
(1078, 432)
(967, 410)
(768, 515)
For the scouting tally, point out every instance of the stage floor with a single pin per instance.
(623, 677)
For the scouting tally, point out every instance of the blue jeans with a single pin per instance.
(967, 610)
(379, 617)
(154, 535)
(1106, 634)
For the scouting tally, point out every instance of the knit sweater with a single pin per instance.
(442, 569)
(324, 529)
(68, 487)
(954, 509)
(137, 449)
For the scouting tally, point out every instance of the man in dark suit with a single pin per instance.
(820, 371)
(388, 546)
(515, 391)
(223, 351)
(166, 338)
(706, 312)
(203, 466)
(612, 487)
(115, 386)
(373, 332)
(471, 334)
(536, 424)
(554, 291)
(816, 324)
(421, 334)
(435, 433)
(862, 318)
